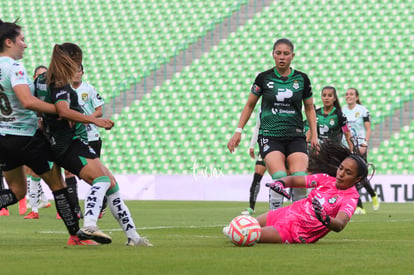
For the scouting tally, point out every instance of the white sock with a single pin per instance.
(34, 183)
(32, 192)
(275, 200)
(41, 195)
(94, 200)
(28, 180)
(121, 213)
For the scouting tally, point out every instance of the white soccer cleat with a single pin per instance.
(249, 211)
(93, 233)
(142, 241)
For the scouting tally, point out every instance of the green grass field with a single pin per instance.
(188, 239)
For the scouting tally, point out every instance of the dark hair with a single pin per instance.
(330, 155)
(362, 165)
(8, 30)
(74, 52)
(336, 103)
(284, 41)
(38, 68)
(357, 94)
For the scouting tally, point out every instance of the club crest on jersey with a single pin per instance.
(357, 114)
(332, 122)
(295, 85)
(333, 200)
(84, 97)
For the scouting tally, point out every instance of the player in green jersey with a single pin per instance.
(331, 122)
(21, 143)
(36, 197)
(92, 104)
(281, 138)
(69, 139)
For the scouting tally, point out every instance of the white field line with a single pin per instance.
(211, 226)
(142, 228)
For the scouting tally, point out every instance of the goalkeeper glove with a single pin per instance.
(320, 213)
(279, 187)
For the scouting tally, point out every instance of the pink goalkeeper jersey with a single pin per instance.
(297, 223)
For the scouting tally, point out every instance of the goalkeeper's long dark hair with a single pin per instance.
(330, 155)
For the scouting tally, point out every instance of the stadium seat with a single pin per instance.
(201, 104)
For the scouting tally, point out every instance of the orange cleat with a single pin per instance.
(22, 206)
(45, 204)
(58, 216)
(74, 240)
(4, 212)
(32, 216)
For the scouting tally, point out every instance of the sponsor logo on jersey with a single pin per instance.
(282, 111)
(320, 199)
(41, 86)
(283, 94)
(61, 92)
(20, 73)
(270, 84)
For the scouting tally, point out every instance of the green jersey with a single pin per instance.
(282, 99)
(59, 131)
(330, 126)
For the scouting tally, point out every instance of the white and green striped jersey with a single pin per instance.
(89, 100)
(14, 118)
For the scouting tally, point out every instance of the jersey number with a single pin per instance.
(4, 103)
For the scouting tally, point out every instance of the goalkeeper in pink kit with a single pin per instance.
(334, 172)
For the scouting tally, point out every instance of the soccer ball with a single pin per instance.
(244, 230)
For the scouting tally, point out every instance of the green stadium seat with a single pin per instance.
(201, 104)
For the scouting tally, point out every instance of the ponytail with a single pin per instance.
(62, 67)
